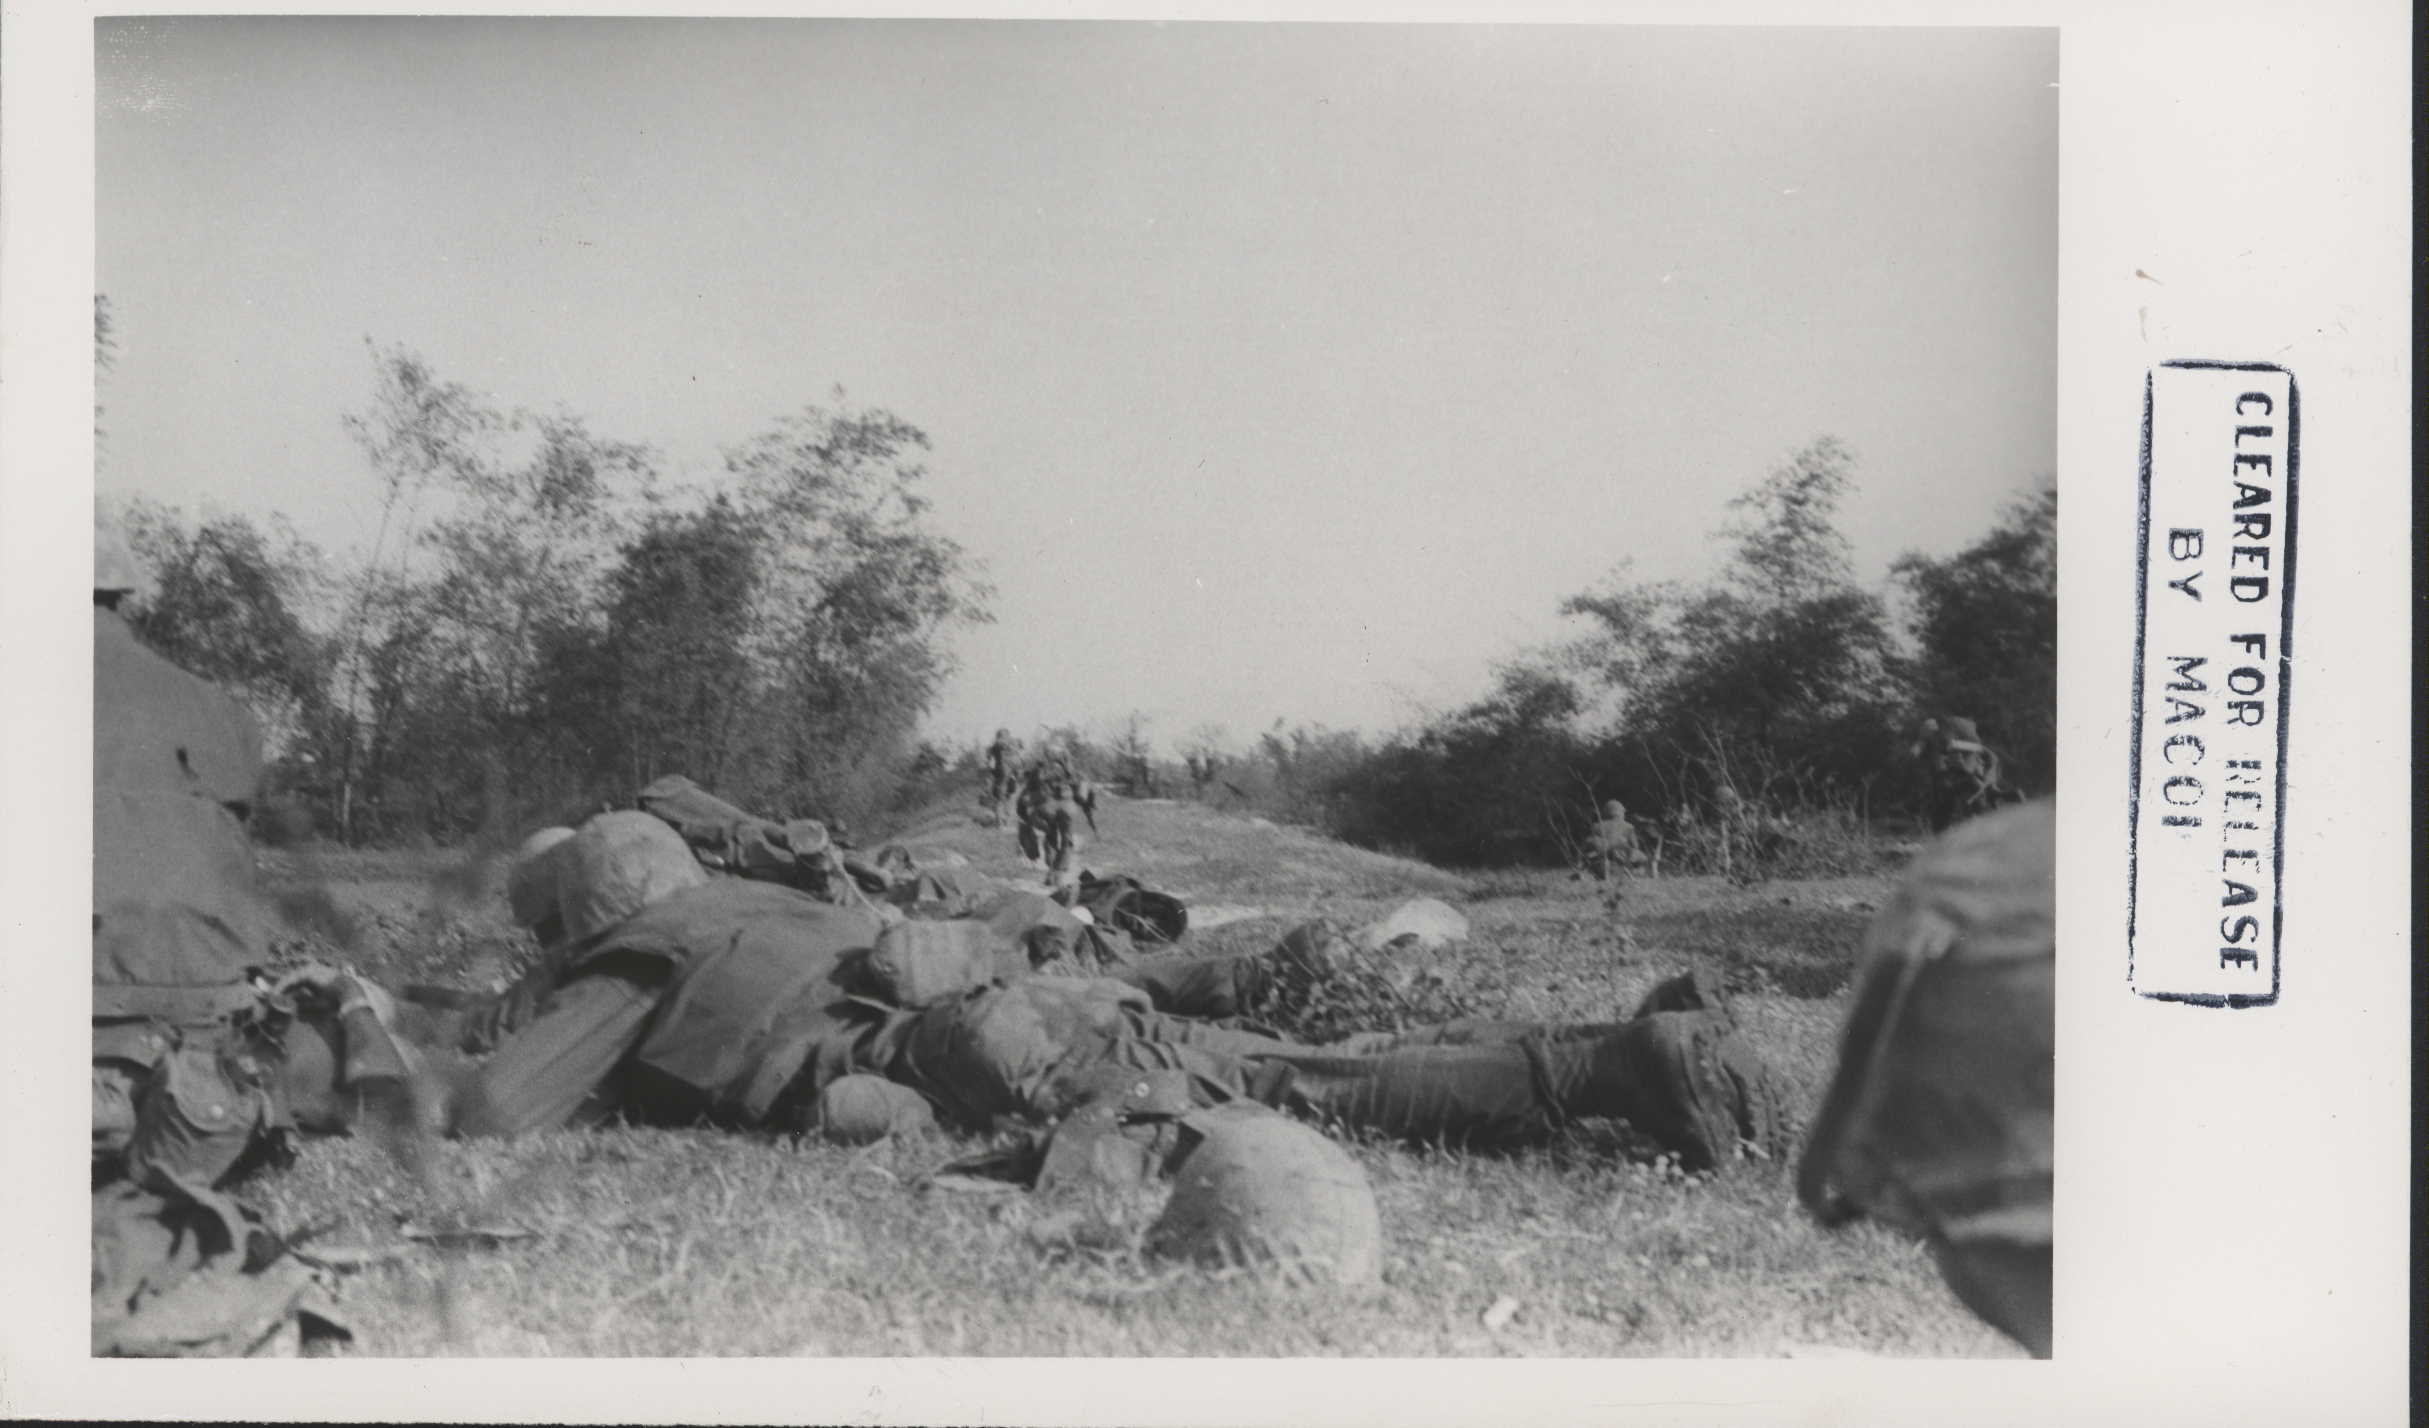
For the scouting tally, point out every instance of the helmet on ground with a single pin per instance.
(861, 1109)
(617, 864)
(531, 878)
(1262, 1190)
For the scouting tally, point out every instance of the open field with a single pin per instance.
(636, 1241)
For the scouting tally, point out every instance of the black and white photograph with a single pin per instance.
(1154, 689)
(970, 688)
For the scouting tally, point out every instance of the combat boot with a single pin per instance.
(1685, 1079)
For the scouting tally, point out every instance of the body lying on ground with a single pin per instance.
(675, 996)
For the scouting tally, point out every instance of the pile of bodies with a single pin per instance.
(687, 981)
(702, 965)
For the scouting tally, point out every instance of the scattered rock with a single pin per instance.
(1218, 914)
(1498, 1317)
(1422, 924)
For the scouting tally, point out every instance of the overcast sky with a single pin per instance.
(1272, 370)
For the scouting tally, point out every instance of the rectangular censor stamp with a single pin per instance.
(2214, 610)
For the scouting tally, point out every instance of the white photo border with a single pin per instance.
(2233, 1184)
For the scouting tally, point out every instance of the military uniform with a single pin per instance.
(731, 1001)
(1053, 800)
(745, 1004)
(803, 853)
(1034, 1049)
(1613, 851)
(1001, 778)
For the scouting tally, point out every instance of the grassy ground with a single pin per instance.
(635, 1241)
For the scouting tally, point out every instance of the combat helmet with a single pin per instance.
(617, 864)
(1259, 1190)
(531, 878)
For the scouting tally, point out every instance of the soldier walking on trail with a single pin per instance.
(1001, 780)
(1614, 851)
(1030, 809)
(1061, 840)
(1053, 800)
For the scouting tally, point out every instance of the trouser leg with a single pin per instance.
(1486, 1092)
(544, 1073)
(1224, 984)
(1476, 1080)
(1471, 1031)
(1682, 1078)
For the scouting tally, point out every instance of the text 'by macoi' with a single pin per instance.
(2211, 698)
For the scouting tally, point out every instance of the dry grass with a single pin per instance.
(650, 1242)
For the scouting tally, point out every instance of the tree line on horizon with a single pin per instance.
(541, 626)
(1781, 695)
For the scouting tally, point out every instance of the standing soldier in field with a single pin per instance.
(1030, 810)
(1067, 798)
(1614, 851)
(1000, 778)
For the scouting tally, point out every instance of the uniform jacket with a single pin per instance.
(764, 983)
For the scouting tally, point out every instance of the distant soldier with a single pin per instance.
(1961, 775)
(1752, 836)
(1030, 810)
(1061, 798)
(1061, 840)
(1614, 851)
(1202, 770)
(1001, 779)
(1938, 1119)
